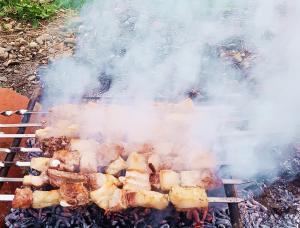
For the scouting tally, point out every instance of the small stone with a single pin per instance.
(51, 50)
(31, 78)
(3, 53)
(70, 41)
(33, 45)
(12, 56)
(9, 48)
(22, 41)
(3, 79)
(22, 49)
(42, 38)
(16, 71)
(10, 62)
(27, 59)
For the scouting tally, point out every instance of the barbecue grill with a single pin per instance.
(229, 184)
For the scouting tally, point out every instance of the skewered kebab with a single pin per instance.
(111, 198)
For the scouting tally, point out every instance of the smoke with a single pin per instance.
(162, 48)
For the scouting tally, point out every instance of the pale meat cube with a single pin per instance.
(62, 129)
(190, 179)
(168, 179)
(148, 199)
(103, 195)
(116, 166)
(43, 199)
(136, 181)
(137, 162)
(23, 198)
(36, 181)
(154, 162)
(68, 161)
(73, 194)
(40, 164)
(108, 152)
(188, 197)
(87, 150)
(117, 201)
(97, 180)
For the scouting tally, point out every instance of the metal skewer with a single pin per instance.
(24, 164)
(20, 149)
(21, 112)
(4, 197)
(17, 163)
(4, 136)
(21, 125)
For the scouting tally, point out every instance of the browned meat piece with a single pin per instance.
(23, 198)
(73, 194)
(52, 144)
(69, 161)
(57, 177)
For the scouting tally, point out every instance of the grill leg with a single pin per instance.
(234, 212)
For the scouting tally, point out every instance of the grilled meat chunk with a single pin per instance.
(97, 180)
(68, 161)
(37, 181)
(109, 197)
(188, 197)
(43, 199)
(149, 199)
(168, 179)
(73, 194)
(57, 177)
(116, 166)
(23, 198)
(52, 144)
(40, 163)
(137, 162)
(87, 150)
(135, 180)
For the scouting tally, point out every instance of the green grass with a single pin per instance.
(33, 11)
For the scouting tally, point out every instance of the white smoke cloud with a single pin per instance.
(162, 48)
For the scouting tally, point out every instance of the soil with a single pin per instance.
(23, 49)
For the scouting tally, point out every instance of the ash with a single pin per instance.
(275, 202)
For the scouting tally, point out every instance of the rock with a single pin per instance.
(33, 45)
(7, 26)
(22, 41)
(3, 53)
(70, 41)
(31, 78)
(3, 79)
(12, 56)
(17, 71)
(42, 38)
(9, 48)
(11, 62)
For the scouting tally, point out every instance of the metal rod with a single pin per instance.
(20, 149)
(17, 136)
(21, 112)
(18, 163)
(25, 164)
(21, 125)
(6, 197)
(234, 212)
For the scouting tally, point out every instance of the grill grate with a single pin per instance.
(229, 184)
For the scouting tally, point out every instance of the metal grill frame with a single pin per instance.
(230, 189)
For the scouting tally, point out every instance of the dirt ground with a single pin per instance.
(23, 49)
